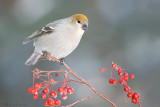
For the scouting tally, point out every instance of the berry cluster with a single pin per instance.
(124, 75)
(44, 89)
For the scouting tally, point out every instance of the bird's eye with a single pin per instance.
(79, 21)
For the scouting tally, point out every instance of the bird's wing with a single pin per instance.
(45, 30)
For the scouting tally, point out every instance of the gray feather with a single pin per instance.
(44, 30)
(33, 36)
(33, 58)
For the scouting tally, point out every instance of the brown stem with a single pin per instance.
(52, 71)
(125, 100)
(77, 81)
(70, 105)
(139, 104)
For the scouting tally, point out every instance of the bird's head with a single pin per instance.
(80, 20)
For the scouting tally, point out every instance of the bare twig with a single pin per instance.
(70, 105)
(125, 99)
(139, 104)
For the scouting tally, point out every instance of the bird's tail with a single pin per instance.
(33, 58)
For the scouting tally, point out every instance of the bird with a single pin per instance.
(59, 38)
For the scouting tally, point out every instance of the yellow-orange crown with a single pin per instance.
(80, 17)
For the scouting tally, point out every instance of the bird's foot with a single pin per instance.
(46, 55)
(62, 61)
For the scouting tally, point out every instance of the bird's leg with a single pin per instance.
(47, 55)
(62, 61)
(44, 54)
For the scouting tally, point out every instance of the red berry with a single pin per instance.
(37, 85)
(131, 76)
(135, 95)
(61, 92)
(51, 103)
(119, 70)
(130, 94)
(120, 73)
(35, 96)
(33, 91)
(121, 82)
(110, 81)
(125, 78)
(46, 103)
(114, 65)
(53, 94)
(45, 90)
(29, 90)
(134, 101)
(126, 88)
(57, 102)
(56, 74)
(114, 81)
(64, 97)
(60, 89)
(102, 70)
(43, 96)
(121, 77)
(125, 74)
(69, 90)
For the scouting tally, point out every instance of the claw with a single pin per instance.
(62, 61)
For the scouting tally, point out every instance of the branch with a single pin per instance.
(70, 105)
(88, 84)
(46, 86)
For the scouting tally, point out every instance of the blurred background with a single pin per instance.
(126, 32)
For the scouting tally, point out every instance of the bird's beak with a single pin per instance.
(85, 27)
